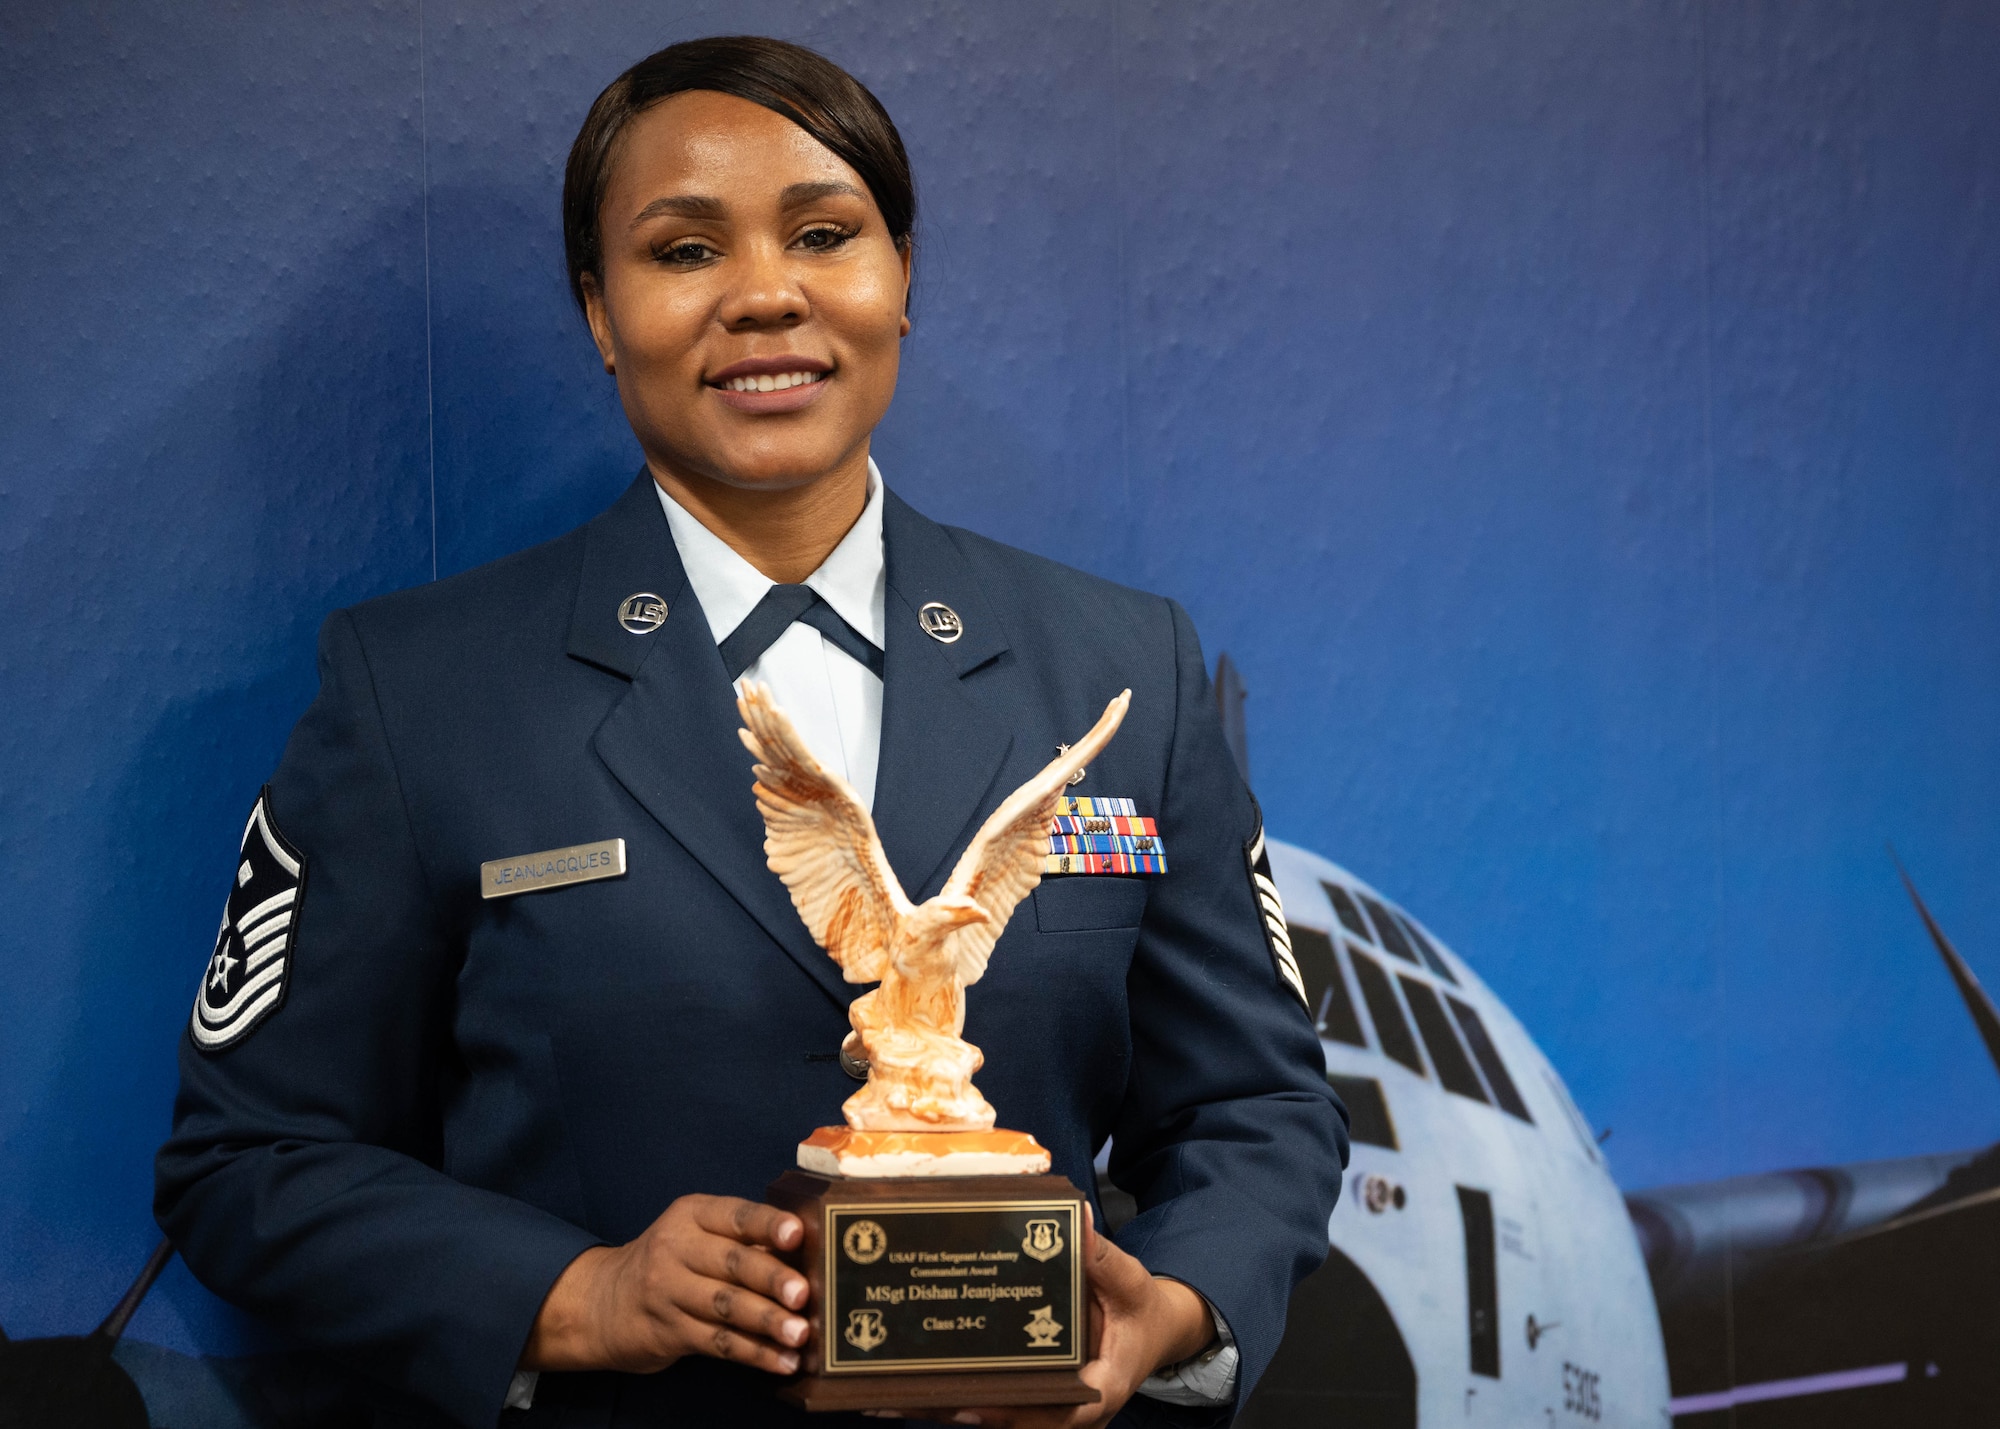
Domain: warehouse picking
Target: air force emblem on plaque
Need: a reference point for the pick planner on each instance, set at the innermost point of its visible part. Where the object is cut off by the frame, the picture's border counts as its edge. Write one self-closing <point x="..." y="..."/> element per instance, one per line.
<point x="246" y="976"/>
<point x="865" y="1330"/>
<point x="1044" y="1240"/>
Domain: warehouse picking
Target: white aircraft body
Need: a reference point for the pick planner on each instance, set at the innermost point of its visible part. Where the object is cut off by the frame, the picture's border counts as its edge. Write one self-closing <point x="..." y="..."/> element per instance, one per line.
<point x="1483" y="1269"/>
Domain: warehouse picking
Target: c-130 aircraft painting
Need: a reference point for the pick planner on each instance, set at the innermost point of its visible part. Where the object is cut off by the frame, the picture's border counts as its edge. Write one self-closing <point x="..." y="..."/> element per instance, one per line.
<point x="1837" y="1296"/>
<point x="1484" y="1269"/>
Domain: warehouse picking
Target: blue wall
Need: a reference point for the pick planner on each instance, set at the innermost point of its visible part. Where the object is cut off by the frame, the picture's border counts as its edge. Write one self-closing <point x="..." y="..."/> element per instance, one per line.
<point x="1577" y="421"/>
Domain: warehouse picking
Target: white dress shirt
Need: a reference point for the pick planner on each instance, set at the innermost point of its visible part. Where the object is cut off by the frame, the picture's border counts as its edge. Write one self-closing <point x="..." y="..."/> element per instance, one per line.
<point x="835" y="702"/>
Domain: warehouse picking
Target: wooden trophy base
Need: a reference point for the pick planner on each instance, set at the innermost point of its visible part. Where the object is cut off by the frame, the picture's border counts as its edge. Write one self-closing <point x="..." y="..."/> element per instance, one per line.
<point x="939" y="1292"/>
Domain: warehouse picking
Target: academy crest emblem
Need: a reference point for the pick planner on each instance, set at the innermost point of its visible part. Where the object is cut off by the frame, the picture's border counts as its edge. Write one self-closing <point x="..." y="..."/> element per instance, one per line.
<point x="247" y="974"/>
<point x="865" y="1330"/>
<point x="1044" y="1329"/>
<point x="1044" y="1240"/>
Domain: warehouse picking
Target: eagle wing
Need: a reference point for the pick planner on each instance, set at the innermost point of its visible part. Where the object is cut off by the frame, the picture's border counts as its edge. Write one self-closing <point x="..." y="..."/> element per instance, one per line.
<point x="1003" y="862"/>
<point x="820" y="840"/>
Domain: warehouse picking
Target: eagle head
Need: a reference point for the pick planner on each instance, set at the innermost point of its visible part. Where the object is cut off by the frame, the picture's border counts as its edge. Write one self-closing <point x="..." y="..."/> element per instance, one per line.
<point x="949" y="912"/>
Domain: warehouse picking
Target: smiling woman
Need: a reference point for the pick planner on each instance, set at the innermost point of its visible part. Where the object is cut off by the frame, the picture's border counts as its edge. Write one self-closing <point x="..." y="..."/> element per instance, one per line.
<point x="498" y="1143"/>
<point x="738" y="219"/>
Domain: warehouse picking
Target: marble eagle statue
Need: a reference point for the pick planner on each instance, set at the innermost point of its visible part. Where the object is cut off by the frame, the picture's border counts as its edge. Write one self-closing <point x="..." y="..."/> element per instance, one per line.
<point x="820" y="840"/>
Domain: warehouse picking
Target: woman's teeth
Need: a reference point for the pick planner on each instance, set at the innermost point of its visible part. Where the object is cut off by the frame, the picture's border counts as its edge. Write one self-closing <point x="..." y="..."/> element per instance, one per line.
<point x="772" y="381"/>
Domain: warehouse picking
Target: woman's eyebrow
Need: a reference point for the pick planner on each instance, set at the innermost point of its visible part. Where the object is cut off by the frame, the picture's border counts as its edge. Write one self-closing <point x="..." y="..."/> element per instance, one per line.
<point x="681" y="206"/>
<point x="799" y="195"/>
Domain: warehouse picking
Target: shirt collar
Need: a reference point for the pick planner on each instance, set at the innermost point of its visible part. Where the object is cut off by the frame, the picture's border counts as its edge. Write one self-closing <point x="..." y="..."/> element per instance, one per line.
<point x="851" y="579"/>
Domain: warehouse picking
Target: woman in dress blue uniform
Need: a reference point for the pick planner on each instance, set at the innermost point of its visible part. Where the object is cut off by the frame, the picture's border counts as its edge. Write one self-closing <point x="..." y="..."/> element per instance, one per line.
<point x="508" y="1024"/>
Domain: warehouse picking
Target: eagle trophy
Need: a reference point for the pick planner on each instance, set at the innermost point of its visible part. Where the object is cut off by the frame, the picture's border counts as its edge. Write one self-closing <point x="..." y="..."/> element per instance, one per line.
<point x="821" y="841"/>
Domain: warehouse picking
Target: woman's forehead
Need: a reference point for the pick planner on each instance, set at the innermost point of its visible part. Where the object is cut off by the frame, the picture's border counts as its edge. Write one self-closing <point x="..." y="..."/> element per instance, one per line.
<point x="717" y="145"/>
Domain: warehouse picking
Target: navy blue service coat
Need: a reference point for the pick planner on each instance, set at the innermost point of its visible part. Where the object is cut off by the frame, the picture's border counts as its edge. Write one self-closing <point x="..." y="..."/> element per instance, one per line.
<point x="456" y="1097"/>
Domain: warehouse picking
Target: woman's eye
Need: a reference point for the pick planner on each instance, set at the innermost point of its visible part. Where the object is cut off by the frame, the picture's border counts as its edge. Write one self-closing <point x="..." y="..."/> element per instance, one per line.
<point x="824" y="240"/>
<point x="684" y="255"/>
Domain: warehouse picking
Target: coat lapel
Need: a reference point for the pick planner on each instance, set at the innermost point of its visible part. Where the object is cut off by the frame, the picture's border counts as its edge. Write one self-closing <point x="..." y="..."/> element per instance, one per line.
<point x="940" y="748"/>
<point x="671" y="741"/>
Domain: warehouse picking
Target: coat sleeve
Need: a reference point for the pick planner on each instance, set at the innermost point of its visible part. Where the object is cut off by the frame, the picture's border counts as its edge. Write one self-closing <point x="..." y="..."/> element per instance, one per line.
<point x="302" y="1179"/>
<point x="1229" y="1138"/>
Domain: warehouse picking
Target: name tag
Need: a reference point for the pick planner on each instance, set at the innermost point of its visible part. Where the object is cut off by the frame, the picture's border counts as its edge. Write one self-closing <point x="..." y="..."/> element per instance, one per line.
<point x="553" y="868"/>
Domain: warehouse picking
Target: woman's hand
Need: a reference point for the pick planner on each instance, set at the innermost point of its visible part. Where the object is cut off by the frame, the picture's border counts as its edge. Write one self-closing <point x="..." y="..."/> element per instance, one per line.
<point x="1144" y="1323"/>
<point x="700" y="1281"/>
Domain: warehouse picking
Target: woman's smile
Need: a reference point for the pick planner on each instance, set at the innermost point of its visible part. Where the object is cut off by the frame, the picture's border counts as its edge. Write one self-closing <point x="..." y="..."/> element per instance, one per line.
<point x="761" y="385"/>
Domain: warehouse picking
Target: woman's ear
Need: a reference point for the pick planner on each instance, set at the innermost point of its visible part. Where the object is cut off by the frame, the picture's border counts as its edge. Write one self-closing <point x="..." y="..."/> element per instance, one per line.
<point x="600" y="321"/>
<point x="909" y="264"/>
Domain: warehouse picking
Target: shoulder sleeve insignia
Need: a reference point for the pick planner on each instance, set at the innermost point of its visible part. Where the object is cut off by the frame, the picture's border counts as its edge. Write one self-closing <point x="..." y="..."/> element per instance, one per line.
<point x="247" y="974"/>
<point x="1271" y="913"/>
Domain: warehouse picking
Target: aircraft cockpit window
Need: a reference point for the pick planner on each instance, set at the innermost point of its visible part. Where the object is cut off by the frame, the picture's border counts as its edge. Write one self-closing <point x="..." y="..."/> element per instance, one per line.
<point x="1482" y="1282"/>
<point x="1488" y="1057"/>
<point x="1326" y="990"/>
<point x="1368" y="1122"/>
<point x="1344" y="909"/>
<point x="1389" y="935"/>
<point x="1390" y="1028"/>
<point x="1454" y="1068"/>
<point x="1431" y="958"/>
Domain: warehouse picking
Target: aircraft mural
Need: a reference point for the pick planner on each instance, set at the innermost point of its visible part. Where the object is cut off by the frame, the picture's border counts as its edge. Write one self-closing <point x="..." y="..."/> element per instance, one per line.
<point x="1481" y="1268"/>
<point x="1485" y="1269"/>
<point x="1836" y="1296"/>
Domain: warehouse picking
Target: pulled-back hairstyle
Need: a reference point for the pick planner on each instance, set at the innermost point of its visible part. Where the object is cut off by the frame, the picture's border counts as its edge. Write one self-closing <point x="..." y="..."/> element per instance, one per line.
<point x="807" y="88"/>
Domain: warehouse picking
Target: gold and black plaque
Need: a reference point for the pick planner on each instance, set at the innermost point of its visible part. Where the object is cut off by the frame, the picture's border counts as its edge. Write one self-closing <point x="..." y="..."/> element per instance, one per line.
<point x="950" y="1291"/>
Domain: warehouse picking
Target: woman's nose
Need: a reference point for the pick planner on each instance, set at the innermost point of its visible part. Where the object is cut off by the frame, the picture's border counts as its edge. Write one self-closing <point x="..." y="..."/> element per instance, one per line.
<point x="764" y="294"/>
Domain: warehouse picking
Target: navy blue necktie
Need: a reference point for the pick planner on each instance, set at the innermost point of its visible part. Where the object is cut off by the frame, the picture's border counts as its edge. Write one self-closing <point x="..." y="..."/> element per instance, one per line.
<point x="781" y="606"/>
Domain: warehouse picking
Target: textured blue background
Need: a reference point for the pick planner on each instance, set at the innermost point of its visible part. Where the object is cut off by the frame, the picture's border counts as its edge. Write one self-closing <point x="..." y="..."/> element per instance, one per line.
<point x="1577" y="420"/>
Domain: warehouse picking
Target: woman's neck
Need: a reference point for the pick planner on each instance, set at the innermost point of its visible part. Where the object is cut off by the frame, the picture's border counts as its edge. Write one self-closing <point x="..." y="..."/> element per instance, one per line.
<point x="786" y="534"/>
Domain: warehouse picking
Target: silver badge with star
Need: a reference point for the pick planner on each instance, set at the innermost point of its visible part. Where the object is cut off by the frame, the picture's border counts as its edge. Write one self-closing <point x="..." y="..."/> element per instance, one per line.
<point x="246" y="975"/>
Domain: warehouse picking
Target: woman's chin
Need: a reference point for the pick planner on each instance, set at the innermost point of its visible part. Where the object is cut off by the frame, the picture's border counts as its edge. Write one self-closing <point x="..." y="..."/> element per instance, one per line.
<point x="763" y="469"/>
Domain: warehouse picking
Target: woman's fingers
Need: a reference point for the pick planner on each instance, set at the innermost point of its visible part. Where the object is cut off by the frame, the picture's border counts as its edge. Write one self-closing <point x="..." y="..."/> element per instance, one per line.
<point x="711" y="1288"/>
<point x="724" y="1302"/>
<point x="1117" y="1280"/>
<point x="732" y="1323"/>
<point x="723" y="1343"/>
<point x="750" y="1222"/>
<point x="749" y="1266"/>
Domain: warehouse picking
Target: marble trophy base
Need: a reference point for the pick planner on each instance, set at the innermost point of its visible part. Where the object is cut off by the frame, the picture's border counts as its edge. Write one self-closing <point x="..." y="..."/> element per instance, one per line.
<point x="843" y="1151"/>
<point x="938" y="1291"/>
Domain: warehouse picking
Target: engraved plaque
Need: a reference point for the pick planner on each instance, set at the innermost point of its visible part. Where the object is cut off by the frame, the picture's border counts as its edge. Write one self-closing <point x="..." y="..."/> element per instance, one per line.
<point x="940" y="1292"/>
<point x="972" y="1284"/>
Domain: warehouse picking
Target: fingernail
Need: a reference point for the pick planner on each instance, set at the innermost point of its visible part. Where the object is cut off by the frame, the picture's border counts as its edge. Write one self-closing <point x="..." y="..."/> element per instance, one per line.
<point x="795" y="1332"/>
<point x="796" y="1290"/>
<point x="789" y="1361"/>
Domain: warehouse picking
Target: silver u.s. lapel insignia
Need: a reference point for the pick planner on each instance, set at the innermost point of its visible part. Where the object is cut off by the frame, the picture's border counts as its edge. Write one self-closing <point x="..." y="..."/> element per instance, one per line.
<point x="940" y="622"/>
<point x="642" y="614"/>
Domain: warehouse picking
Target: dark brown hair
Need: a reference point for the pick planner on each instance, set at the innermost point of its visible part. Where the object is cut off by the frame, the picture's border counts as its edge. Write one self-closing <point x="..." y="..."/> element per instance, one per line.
<point x="807" y="88"/>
